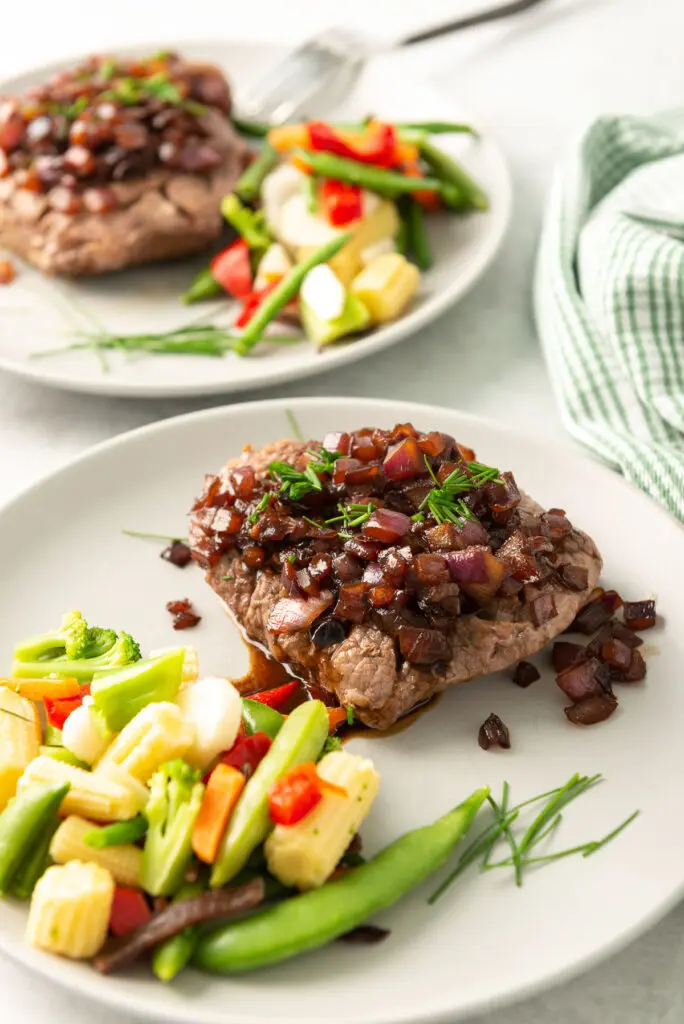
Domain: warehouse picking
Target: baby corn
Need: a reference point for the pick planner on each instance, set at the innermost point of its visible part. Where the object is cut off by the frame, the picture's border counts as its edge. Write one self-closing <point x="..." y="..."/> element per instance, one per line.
<point x="93" y="796"/>
<point x="19" y="740"/>
<point x="70" y="910"/>
<point x="157" y="734"/>
<point x="306" y="854"/>
<point x="122" y="861"/>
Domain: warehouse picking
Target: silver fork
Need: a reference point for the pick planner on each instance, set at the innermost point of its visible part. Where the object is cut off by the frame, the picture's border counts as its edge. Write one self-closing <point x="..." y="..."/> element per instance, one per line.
<point x="334" y="59"/>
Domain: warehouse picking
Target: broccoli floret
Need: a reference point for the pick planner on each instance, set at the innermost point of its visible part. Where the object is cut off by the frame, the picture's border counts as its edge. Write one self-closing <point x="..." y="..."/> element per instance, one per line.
<point x="175" y="800"/>
<point x="99" y="641"/>
<point x="76" y="651"/>
<point x="69" y="640"/>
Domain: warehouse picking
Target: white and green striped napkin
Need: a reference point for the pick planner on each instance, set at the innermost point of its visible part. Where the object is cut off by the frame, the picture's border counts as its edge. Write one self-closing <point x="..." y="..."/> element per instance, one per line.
<point x="609" y="299"/>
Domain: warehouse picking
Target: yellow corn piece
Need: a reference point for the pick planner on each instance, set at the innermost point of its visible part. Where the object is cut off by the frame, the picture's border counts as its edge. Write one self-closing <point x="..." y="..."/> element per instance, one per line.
<point x="386" y="286"/>
<point x="138" y="792"/>
<point x="19" y="741"/>
<point x="306" y="854"/>
<point x="122" y="861"/>
<point x="93" y="796"/>
<point x="70" y="910"/>
<point x="157" y="734"/>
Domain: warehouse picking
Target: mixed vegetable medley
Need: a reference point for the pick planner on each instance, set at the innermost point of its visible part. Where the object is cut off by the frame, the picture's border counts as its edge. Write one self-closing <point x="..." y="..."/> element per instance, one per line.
<point x="140" y="802"/>
<point x="330" y="225"/>
<point x="147" y="811"/>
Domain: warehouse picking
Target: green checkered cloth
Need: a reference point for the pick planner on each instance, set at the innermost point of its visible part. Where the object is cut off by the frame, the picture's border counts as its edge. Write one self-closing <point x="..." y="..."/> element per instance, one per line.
<point x="609" y="299"/>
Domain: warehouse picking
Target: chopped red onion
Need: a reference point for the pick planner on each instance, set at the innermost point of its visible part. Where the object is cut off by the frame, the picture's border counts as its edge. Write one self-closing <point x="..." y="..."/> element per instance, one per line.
<point x="581" y="681"/>
<point x="386" y="525"/>
<point x="291" y="614"/>
<point x="494" y="733"/>
<point x="593" y="710"/>
<point x="423" y="646"/>
<point x="565" y="654"/>
<point x="543" y="609"/>
<point x="525" y="673"/>
<point x="404" y="460"/>
<point x="639" y="614"/>
<point x="467" y="566"/>
<point x="352" y="602"/>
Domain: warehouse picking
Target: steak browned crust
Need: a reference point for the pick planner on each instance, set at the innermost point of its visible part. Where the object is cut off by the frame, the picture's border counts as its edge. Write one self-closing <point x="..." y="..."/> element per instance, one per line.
<point x="363" y="671"/>
<point x="163" y="215"/>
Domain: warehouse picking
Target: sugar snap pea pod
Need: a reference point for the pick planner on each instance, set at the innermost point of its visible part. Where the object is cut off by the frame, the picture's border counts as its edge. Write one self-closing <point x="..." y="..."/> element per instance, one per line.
<point x="259" y="717"/>
<point x="300" y="739"/>
<point x="390" y="183"/>
<point x="285" y="291"/>
<point x="171" y="956"/>
<point x="250" y="181"/>
<point x="35" y="865"/>
<point x="203" y="286"/>
<point x="418" y="244"/>
<point x="22" y="824"/>
<point x="447" y="170"/>
<point x="317" y="917"/>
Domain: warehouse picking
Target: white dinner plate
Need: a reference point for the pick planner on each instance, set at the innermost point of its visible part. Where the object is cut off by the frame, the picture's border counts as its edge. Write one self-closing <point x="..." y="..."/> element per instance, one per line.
<point x="486" y="941"/>
<point x="37" y="313"/>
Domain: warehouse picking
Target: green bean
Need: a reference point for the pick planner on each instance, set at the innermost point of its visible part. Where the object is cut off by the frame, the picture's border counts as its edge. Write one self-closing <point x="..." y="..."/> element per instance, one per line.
<point x="418" y="243"/>
<point x="300" y="739"/>
<point x="315" y="918"/>
<point x="285" y="291"/>
<point x="172" y="955"/>
<point x="389" y="183"/>
<point x="402" y="236"/>
<point x="203" y="286"/>
<point x="447" y="170"/>
<point x="22" y="823"/>
<point x="246" y="222"/>
<point x="259" y="717"/>
<point x="34" y="866"/>
<point x="253" y="129"/>
<point x="436" y="127"/>
<point x="250" y="181"/>
<point x="120" y="833"/>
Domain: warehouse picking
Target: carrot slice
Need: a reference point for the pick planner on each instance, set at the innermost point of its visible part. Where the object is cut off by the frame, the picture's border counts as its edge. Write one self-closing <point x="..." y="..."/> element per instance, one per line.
<point x="220" y="797"/>
<point x="336" y="716"/>
<point x="289" y="136"/>
<point x="42" y="689"/>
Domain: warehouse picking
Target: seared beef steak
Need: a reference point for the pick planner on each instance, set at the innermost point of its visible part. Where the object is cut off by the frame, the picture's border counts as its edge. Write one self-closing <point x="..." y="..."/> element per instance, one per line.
<point x="281" y="568"/>
<point x="116" y="164"/>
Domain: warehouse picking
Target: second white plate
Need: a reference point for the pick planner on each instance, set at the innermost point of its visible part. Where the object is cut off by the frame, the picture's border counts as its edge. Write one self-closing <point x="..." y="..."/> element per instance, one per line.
<point x="37" y="313"/>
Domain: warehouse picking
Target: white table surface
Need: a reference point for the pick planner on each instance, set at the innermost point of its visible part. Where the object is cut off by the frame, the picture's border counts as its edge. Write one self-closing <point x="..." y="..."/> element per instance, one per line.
<point x="533" y="82"/>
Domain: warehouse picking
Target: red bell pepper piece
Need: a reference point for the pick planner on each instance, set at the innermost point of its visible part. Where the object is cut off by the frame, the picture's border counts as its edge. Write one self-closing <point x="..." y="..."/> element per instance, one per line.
<point x="279" y="698"/>
<point x="247" y="752"/>
<point x="129" y="910"/>
<point x="342" y="202"/>
<point x="57" y="711"/>
<point x="252" y="303"/>
<point x="296" y="793"/>
<point x="232" y="269"/>
<point x="376" y="146"/>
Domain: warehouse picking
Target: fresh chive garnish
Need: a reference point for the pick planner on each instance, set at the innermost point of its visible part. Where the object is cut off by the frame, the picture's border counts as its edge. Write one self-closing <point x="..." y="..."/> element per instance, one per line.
<point x="544" y="825"/>
<point x="350" y="715"/>
<point x="155" y="536"/>
<point x="263" y="504"/>
<point x="443" y="501"/>
<point x="295" y="484"/>
<point x="294" y="425"/>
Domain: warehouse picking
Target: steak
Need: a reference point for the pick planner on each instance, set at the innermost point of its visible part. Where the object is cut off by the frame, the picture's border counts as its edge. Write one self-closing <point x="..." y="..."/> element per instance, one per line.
<point x="368" y="670"/>
<point x="150" y="184"/>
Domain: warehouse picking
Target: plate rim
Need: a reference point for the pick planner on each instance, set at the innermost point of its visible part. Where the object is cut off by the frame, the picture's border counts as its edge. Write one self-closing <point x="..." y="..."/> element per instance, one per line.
<point x="48" y="966"/>
<point x="395" y="332"/>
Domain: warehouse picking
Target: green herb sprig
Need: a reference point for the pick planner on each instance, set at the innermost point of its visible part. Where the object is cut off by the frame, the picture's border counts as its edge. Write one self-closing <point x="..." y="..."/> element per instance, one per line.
<point x="295" y="484"/>
<point x="543" y="825"/>
<point x="351" y="516"/>
<point x="443" y="503"/>
<point x="155" y="536"/>
<point x="263" y="504"/>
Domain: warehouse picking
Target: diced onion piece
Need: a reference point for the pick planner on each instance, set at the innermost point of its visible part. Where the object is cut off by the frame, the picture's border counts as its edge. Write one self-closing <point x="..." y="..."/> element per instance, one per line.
<point x="404" y="460"/>
<point x="386" y="525"/>
<point x="291" y="614"/>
